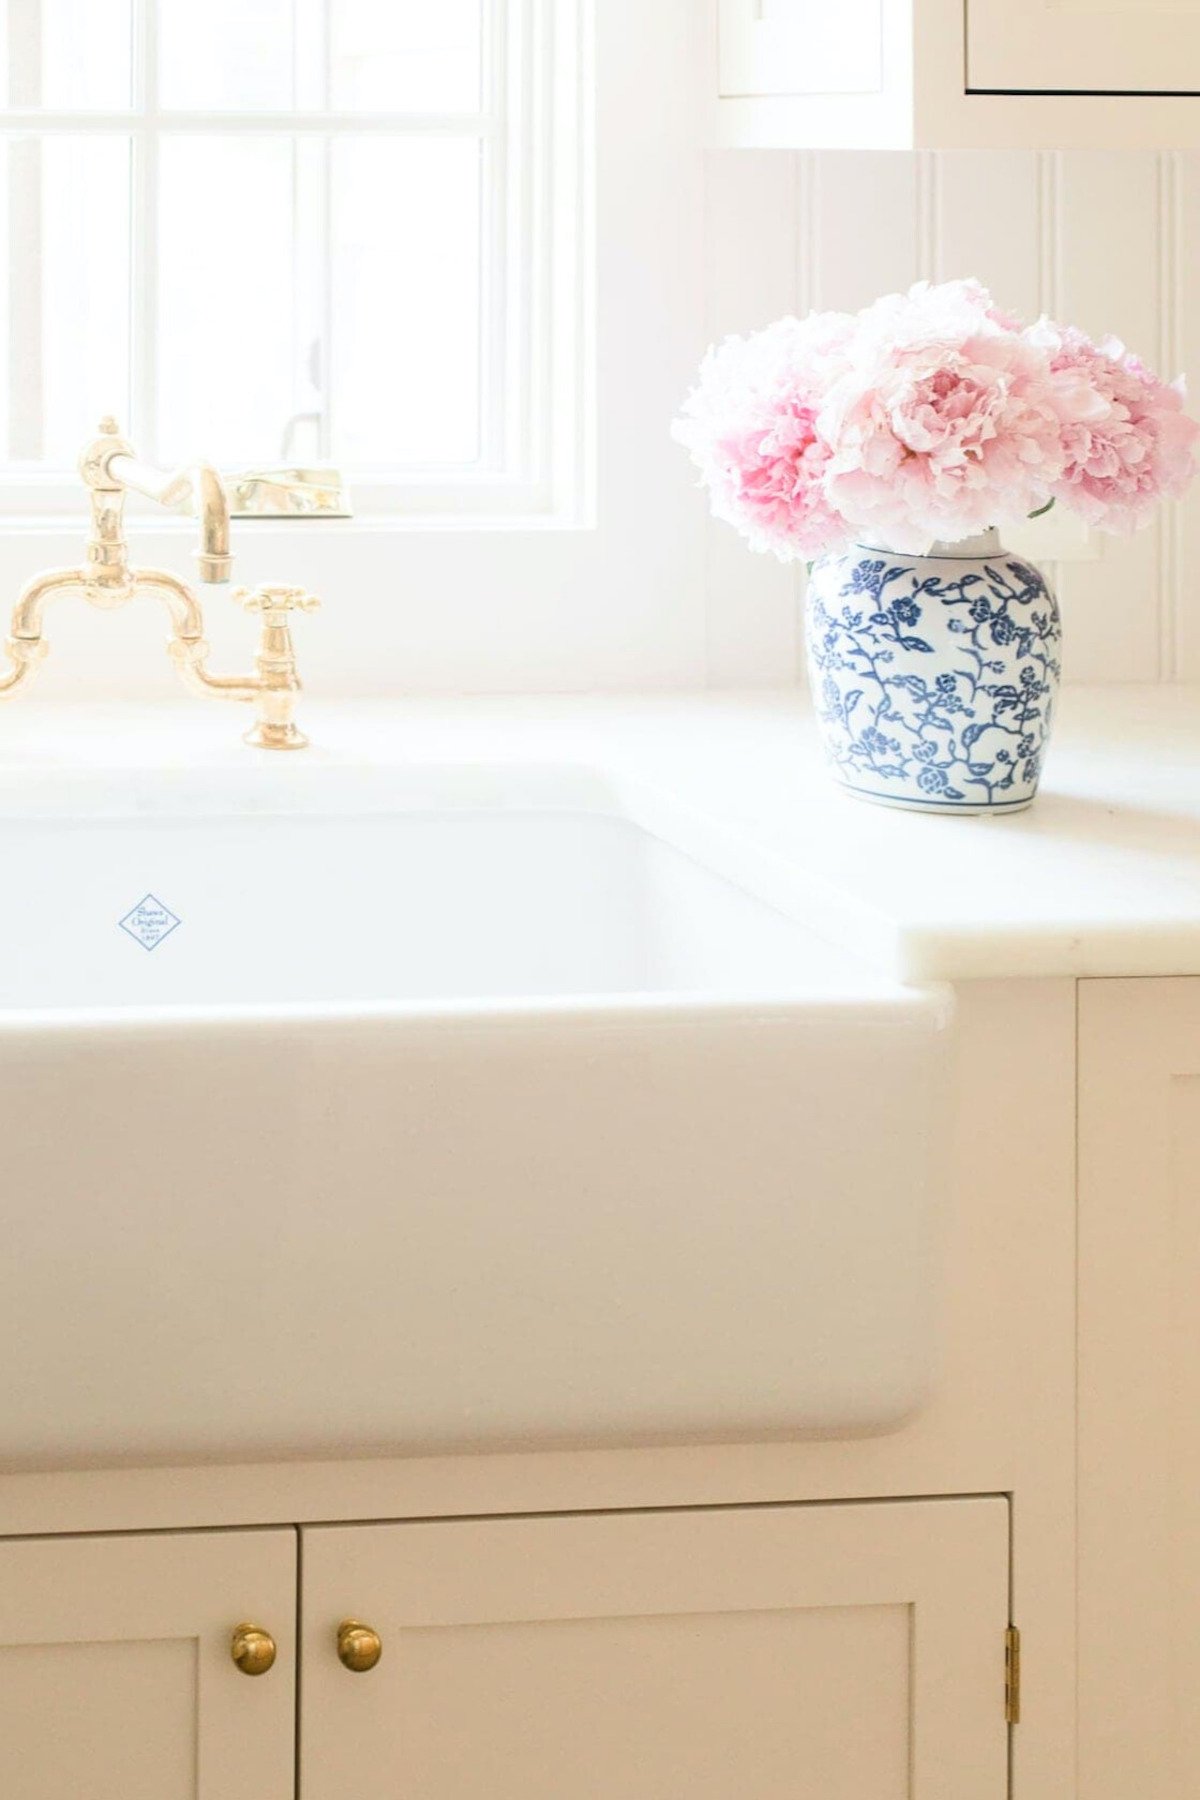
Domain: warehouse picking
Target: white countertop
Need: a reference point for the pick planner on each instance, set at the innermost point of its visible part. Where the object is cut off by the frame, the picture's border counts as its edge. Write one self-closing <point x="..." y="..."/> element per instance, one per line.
<point x="1102" y="877"/>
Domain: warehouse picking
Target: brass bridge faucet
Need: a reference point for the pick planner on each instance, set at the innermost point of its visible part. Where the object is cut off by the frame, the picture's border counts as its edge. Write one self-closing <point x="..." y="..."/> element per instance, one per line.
<point x="110" y="469"/>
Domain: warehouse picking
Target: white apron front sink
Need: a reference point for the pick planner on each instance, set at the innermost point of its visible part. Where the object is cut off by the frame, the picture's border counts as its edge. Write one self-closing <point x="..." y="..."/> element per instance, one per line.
<point x="457" y="1109"/>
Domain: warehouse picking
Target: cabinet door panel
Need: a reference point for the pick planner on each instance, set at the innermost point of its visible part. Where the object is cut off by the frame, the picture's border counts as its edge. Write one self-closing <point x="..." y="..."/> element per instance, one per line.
<point x="1139" y="1389"/>
<point x="1084" y="46"/>
<point x="116" y="1681"/>
<point x="817" y="1653"/>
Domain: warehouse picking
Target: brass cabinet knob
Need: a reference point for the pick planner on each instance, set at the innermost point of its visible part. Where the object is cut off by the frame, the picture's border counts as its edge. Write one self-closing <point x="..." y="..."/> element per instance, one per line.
<point x="252" y="1649"/>
<point x="358" y="1647"/>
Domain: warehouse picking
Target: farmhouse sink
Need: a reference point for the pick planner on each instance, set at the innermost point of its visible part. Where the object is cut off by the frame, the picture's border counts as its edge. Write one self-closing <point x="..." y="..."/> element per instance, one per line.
<point x="444" y="1108"/>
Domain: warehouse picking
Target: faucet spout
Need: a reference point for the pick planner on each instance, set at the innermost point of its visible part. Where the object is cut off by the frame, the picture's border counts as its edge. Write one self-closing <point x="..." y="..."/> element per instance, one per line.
<point x="110" y="466"/>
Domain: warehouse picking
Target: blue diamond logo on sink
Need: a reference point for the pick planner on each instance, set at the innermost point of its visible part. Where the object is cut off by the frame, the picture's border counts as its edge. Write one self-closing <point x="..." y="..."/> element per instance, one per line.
<point x="149" y="922"/>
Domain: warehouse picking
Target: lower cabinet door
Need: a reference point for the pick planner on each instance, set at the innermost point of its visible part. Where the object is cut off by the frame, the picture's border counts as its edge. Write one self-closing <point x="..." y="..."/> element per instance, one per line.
<point x="117" y="1680"/>
<point x="849" y="1652"/>
<point x="1139" y="1389"/>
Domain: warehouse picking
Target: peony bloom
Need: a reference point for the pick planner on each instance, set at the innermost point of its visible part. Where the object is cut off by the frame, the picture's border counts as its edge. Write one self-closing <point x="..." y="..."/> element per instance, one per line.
<point x="1127" y="442"/>
<point x="751" y="426"/>
<point x="930" y="416"/>
<point x="945" y="422"/>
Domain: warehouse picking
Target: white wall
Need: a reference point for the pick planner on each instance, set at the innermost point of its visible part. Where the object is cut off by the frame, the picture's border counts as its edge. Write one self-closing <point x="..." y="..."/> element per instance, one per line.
<point x="692" y="244"/>
<point x="1110" y="241"/>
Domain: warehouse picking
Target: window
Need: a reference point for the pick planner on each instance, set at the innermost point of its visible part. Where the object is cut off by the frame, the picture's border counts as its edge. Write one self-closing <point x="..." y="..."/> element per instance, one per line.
<point x="296" y="231"/>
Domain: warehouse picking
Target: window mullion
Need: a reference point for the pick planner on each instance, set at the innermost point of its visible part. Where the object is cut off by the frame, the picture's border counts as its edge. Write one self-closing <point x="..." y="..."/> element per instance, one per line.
<point x="143" y="312"/>
<point x="495" y="221"/>
<point x="326" y="346"/>
<point x="18" y="121"/>
<point x="26" y="357"/>
<point x="309" y="304"/>
<point x="311" y="30"/>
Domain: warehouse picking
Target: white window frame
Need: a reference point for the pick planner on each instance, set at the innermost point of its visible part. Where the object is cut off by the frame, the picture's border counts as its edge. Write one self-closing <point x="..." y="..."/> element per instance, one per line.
<point x="439" y="606"/>
<point x="536" y="217"/>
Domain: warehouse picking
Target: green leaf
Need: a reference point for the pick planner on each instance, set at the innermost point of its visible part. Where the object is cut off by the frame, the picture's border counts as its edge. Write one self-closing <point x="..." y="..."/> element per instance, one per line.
<point x="1043" y="510"/>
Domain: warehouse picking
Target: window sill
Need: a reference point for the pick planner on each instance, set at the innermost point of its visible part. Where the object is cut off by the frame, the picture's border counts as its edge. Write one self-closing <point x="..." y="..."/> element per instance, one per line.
<point x="141" y="525"/>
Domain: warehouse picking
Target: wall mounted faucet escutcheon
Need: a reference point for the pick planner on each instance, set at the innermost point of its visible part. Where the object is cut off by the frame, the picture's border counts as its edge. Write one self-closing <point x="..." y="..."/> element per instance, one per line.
<point x="110" y="470"/>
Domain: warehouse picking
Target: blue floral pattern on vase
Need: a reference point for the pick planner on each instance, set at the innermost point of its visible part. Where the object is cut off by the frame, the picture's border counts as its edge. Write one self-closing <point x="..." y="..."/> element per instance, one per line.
<point x="935" y="677"/>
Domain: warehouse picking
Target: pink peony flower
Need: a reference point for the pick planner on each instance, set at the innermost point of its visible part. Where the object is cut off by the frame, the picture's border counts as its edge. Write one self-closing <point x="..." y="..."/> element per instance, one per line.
<point x="945" y="422"/>
<point x="1127" y="442"/>
<point x="930" y="416"/>
<point x="751" y="426"/>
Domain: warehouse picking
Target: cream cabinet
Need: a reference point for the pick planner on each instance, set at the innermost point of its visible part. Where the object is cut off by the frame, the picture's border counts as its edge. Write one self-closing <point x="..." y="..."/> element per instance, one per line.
<point x="778" y="1653"/>
<point x="117" y="1680"/>
<point x="1139" y="1389"/>
<point x="1127" y="47"/>
<point x="819" y="1652"/>
<point x="946" y="74"/>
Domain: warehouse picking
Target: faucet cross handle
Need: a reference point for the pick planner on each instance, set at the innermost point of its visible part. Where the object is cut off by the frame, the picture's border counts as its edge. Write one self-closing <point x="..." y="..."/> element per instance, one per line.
<point x="270" y="599"/>
<point x="276" y="682"/>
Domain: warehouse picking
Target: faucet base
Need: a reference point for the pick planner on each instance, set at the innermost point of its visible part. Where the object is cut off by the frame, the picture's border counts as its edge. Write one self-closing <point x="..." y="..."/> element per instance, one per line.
<point x="264" y="736"/>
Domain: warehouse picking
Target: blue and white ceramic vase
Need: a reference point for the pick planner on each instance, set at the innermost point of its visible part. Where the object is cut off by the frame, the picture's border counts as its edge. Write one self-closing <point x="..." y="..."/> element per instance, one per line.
<point x="935" y="678"/>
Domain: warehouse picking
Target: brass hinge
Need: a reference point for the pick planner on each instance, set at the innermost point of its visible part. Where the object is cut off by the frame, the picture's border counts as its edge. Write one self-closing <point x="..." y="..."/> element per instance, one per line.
<point x="1012" y="1675"/>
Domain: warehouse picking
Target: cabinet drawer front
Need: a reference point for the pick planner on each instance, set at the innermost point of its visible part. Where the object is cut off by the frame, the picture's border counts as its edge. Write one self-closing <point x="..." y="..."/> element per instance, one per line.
<point x="116" y="1679"/>
<point x="817" y="1653"/>
<point x="1084" y="46"/>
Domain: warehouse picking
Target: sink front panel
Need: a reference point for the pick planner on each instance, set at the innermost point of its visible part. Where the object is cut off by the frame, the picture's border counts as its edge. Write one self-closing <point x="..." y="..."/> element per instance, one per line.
<point x="330" y="1236"/>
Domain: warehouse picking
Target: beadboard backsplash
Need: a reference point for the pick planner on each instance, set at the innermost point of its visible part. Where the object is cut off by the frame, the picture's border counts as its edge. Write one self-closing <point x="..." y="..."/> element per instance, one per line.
<point x="1108" y="240"/>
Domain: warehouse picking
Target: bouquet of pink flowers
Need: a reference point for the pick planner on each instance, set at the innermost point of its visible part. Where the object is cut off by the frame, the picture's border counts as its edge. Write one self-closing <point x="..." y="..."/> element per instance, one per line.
<point x="929" y="417"/>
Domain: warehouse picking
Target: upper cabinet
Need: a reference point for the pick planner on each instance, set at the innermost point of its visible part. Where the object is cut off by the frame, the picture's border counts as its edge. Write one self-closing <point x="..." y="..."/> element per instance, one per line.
<point x="946" y="74"/>
<point x="1134" y="48"/>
